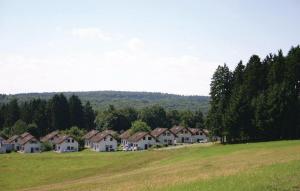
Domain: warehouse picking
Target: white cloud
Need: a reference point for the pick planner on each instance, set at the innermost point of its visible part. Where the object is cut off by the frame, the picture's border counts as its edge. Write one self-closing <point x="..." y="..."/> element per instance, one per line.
<point x="91" y="33"/>
<point x="131" y="68"/>
<point x="136" y="44"/>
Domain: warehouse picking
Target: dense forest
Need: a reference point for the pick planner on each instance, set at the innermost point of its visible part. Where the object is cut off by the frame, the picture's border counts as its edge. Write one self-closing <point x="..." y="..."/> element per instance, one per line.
<point x="100" y="100"/>
<point x="39" y="117"/>
<point x="257" y="101"/>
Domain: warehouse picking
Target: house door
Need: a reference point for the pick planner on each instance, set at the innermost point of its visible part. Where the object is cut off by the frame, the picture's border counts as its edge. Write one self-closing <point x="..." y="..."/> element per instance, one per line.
<point x="146" y="146"/>
<point x="31" y="150"/>
<point x="106" y="148"/>
<point x="182" y="139"/>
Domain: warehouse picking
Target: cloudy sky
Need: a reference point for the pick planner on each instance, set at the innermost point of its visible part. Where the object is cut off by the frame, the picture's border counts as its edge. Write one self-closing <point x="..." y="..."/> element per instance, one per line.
<point x="137" y="45"/>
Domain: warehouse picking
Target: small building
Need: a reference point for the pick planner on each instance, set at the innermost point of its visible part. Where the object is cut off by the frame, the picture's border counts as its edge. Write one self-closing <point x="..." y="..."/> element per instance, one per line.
<point x="163" y="136"/>
<point x="29" y="144"/>
<point x="198" y="135"/>
<point x="183" y="134"/>
<point x="4" y="146"/>
<point x="87" y="138"/>
<point x="65" y="143"/>
<point x="104" y="142"/>
<point x="124" y="138"/>
<point x="14" y="141"/>
<point x="49" y="138"/>
<point x="141" y="141"/>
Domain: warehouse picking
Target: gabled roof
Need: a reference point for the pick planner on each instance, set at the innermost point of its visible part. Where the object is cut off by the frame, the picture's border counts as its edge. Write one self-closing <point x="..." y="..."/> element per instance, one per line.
<point x="126" y="134"/>
<point x="195" y="130"/>
<point x="158" y="131"/>
<point x="12" y="139"/>
<point x="24" y="135"/>
<point x="27" y="138"/>
<point x="108" y="131"/>
<point x="49" y="136"/>
<point x="138" y="136"/>
<point x="177" y="129"/>
<point x="61" y="138"/>
<point x="90" y="134"/>
<point x="206" y="132"/>
<point x="100" y="136"/>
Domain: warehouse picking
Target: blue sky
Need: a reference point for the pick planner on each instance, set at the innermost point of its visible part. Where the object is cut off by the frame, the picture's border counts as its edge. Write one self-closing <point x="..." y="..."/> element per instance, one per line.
<point x="160" y="45"/>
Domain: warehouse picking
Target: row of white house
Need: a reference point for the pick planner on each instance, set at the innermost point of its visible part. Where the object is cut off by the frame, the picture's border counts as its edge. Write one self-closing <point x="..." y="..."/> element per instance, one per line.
<point x="26" y="143"/>
<point x="105" y="140"/>
<point x="162" y="136"/>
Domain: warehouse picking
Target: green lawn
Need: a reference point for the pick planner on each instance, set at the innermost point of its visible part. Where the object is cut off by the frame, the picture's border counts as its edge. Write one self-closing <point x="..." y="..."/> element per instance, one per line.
<point x="256" y="166"/>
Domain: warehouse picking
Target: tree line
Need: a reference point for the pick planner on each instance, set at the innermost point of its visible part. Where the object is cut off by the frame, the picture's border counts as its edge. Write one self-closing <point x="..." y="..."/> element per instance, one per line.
<point x="40" y="117"/>
<point x="257" y="101"/>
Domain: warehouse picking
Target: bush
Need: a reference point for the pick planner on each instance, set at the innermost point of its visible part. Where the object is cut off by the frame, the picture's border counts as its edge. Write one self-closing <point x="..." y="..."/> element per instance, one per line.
<point x="46" y="146"/>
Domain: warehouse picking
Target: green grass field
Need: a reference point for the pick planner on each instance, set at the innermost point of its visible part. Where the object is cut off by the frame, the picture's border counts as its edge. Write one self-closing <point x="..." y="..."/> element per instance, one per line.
<point x="256" y="166"/>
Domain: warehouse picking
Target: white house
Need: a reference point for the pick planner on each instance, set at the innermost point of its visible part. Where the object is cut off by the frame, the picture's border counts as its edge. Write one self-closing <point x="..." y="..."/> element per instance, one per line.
<point x="3" y="145"/>
<point x="104" y="142"/>
<point x="50" y="138"/>
<point x="183" y="134"/>
<point x="87" y="138"/>
<point x="141" y="141"/>
<point x="65" y="143"/>
<point x="29" y="144"/>
<point x="14" y="141"/>
<point x="198" y="135"/>
<point x="164" y="136"/>
<point x="124" y="138"/>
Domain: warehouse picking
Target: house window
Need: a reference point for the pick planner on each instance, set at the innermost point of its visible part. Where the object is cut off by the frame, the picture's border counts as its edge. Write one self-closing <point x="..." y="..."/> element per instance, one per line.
<point x="164" y="134"/>
<point x="197" y="133"/>
<point x="165" y="140"/>
<point x="72" y="140"/>
<point x="104" y="139"/>
<point x="168" y="134"/>
<point x="111" y="139"/>
<point x="149" y="138"/>
<point x="144" y="138"/>
<point x="68" y="148"/>
<point x="201" y="133"/>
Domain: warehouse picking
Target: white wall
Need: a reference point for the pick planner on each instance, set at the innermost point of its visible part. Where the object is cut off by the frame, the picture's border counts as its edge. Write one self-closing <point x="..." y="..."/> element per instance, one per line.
<point x="107" y="143"/>
<point x="186" y="135"/>
<point x="166" y="138"/>
<point x="36" y="146"/>
<point x="69" y="145"/>
<point x="143" y="142"/>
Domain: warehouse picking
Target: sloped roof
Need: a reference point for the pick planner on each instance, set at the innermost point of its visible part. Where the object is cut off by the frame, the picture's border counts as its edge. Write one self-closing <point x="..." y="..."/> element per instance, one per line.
<point x="90" y="134"/>
<point x="138" y="136"/>
<point x="13" y="138"/>
<point x="110" y="132"/>
<point x="49" y="136"/>
<point x="177" y="129"/>
<point x="125" y="134"/>
<point x="24" y="135"/>
<point x="158" y="131"/>
<point x="27" y="138"/>
<point x="195" y="130"/>
<point x="97" y="138"/>
<point x="61" y="138"/>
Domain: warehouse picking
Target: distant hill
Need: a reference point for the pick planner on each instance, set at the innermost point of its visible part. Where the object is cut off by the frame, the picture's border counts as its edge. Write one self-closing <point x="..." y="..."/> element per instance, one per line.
<point x="120" y="99"/>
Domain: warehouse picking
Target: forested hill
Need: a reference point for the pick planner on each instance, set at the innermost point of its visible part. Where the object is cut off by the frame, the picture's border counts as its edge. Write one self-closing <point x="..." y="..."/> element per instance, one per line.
<point x="121" y="99"/>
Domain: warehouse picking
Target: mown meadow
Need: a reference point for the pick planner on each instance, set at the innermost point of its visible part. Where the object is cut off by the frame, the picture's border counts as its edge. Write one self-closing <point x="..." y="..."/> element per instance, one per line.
<point x="254" y="166"/>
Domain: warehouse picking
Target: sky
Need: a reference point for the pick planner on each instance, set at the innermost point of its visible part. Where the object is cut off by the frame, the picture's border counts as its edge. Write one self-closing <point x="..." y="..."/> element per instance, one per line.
<point x="167" y="46"/>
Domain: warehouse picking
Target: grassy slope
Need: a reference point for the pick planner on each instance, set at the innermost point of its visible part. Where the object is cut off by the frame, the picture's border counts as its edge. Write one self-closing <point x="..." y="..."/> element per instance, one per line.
<point x="257" y="166"/>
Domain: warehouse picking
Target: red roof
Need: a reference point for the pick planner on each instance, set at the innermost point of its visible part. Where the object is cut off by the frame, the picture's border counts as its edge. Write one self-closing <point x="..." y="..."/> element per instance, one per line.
<point x="90" y="134"/>
<point x="61" y="139"/>
<point x="126" y="134"/>
<point x="99" y="137"/>
<point x="138" y="136"/>
<point x="158" y="131"/>
<point x="177" y="129"/>
<point x="49" y="136"/>
<point x="27" y="138"/>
